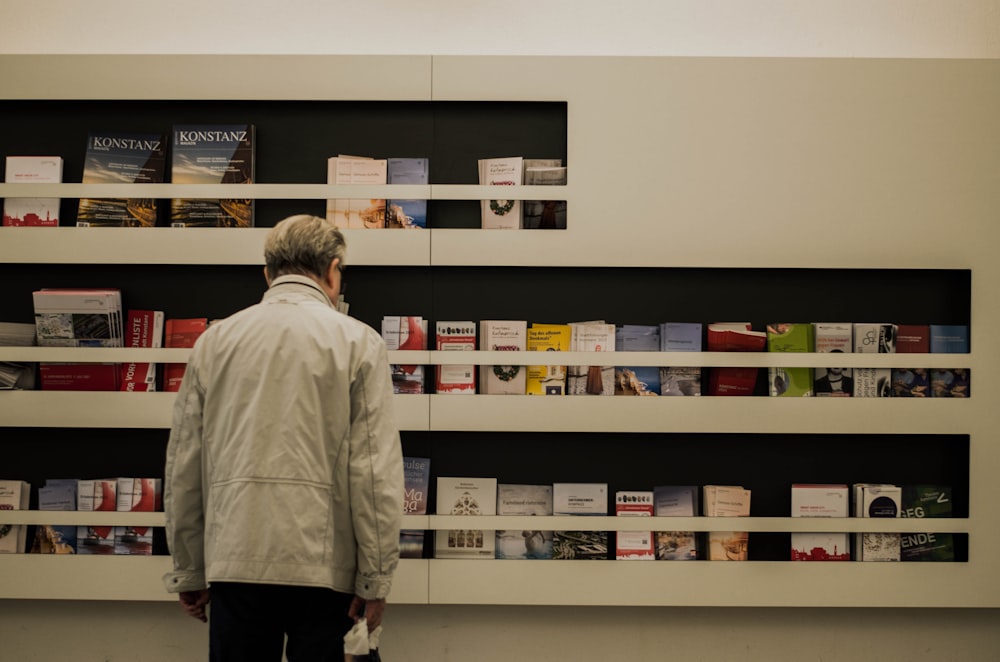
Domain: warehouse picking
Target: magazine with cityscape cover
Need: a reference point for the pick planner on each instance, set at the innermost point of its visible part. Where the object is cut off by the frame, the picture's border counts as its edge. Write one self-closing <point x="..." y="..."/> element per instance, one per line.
<point x="593" y="336"/>
<point x="356" y="213"/>
<point x="416" y="483"/>
<point x="637" y="380"/>
<point x="876" y="500"/>
<point x="213" y="154"/>
<point x="56" y="494"/>
<point x="122" y="158"/>
<point x="455" y="336"/>
<point x="143" y="328"/>
<point x="407" y="214"/>
<point x="634" y="545"/>
<point x="547" y="379"/>
<point x="680" y="337"/>
<point x="837" y="338"/>
<point x="99" y="495"/>
<point x="790" y="337"/>
<point x="727" y="501"/>
<point x="931" y="501"/>
<point x="544" y="214"/>
<point x="818" y="500"/>
<point x="137" y="495"/>
<point x="78" y="317"/>
<point x="950" y="382"/>
<point x="32" y="212"/>
<point x="873" y="338"/>
<point x="180" y="333"/>
<point x="676" y="501"/>
<point x="503" y="336"/>
<point x="584" y="499"/>
<point x="405" y="333"/>
<point x="465" y="496"/>
<point x="504" y="171"/>
<point x="517" y="499"/>
<point x="14" y="495"/>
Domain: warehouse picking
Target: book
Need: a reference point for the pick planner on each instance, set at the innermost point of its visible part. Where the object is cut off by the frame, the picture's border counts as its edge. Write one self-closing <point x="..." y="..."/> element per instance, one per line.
<point x="455" y="336"/>
<point x="595" y="336"/>
<point x="876" y="500"/>
<point x="407" y="214"/>
<point x="547" y="379"/>
<point x="820" y="500"/>
<point x="356" y="213"/>
<point x="416" y="483"/>
<point x="143" y="328"/>
<point x="949" y="339"/>
<point x="680" y="337"/>
<point x="544" y="214"/>
<point x="873" y="338"/>
<point x="465" y="496"/>
<point x="405" y="333"/>
<point x="504" y="171"/>
<point x="180" y="332"/>
<point x="637" y="380"/>
<point x="96" y="495"/>
<point x="950" y="382"/>
<point x="634" y="545"/>
<point x="926" y="501"/>
<point x="503" y="336"/>
<point x="913" y="338"/>
<point x="733" y="337"/>
<point x="78" y="317"/>
<point x="56" y="494"/>
<point x="32" y="212"/>
<point x="213" y="154"/>
<point x="676" y="501"/>
<point x="137" y="495"/>
<point x="515" y="499"/>
<point x="14" y="495"/>
<point x="833" y="337"/>
<point x="17" y="374"/>
<point x="116" y="157"/>
<point x="727" y="501"/>
<point x="585" y="499"/>
<point x="790" y="337"/>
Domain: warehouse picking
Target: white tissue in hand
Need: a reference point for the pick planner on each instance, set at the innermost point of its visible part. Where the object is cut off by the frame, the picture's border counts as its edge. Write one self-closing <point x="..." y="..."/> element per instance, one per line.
<point x="356" y="640"/>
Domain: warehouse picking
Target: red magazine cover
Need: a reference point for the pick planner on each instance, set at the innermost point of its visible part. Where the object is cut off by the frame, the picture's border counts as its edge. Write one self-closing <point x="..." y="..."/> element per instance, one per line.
<point x="143" y="328"/>
<point x="180" y="333"/>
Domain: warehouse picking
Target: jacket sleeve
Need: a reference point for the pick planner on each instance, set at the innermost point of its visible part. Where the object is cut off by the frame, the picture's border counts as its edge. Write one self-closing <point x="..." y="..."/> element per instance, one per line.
<point x="182" y="488"/>
<point x="376" y="473"/>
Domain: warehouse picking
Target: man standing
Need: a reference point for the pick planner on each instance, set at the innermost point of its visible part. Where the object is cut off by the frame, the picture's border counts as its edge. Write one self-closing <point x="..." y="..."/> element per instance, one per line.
<point x="284" y="474"/>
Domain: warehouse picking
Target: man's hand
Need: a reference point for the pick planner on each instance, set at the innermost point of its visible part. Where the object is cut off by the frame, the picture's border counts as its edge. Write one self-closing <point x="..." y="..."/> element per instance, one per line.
<point x="194" y="603"/>
<point x="372" y="610"/>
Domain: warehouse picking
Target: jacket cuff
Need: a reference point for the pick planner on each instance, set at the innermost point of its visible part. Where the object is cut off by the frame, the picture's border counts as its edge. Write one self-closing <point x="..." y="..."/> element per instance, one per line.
<point x="372" y="588"/>
<point x="184" y="580"/>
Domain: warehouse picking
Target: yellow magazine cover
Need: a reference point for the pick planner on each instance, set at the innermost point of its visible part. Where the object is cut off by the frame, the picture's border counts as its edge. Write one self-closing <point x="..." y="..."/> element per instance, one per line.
<point x="547" y="379"/>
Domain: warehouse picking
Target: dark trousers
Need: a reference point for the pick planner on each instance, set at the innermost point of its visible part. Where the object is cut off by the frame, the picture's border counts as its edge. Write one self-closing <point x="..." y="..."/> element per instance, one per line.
<point x="249" y="622"/>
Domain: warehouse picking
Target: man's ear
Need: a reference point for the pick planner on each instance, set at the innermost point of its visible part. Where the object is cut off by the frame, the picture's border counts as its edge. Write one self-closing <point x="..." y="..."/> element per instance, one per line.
<point x="331" y="273"/>
<point x="267" y="278"/>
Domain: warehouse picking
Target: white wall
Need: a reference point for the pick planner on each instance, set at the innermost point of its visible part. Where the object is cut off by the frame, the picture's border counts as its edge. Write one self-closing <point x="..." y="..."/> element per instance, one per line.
<point x="794" y="28"/>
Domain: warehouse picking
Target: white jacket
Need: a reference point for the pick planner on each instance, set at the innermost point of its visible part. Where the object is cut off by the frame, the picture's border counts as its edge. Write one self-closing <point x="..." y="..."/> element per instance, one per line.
<point x="284" y="463"/>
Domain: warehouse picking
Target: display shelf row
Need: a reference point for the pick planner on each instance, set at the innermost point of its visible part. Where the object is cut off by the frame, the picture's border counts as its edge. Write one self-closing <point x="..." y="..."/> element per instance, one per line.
<point x="286" y="191"/>
<point x="517" y="413"/>
<point x="556" y="522"/>
<point x="615" y="583"/>
<point x="435" y="357"/>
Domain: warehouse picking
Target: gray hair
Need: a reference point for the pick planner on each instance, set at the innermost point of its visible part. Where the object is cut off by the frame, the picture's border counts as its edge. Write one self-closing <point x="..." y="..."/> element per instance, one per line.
<point x="303" y="244"/>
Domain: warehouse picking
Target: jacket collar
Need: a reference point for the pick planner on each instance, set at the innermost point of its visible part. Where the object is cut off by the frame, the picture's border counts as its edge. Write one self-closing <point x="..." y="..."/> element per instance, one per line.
<point x="294" y="283"/>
